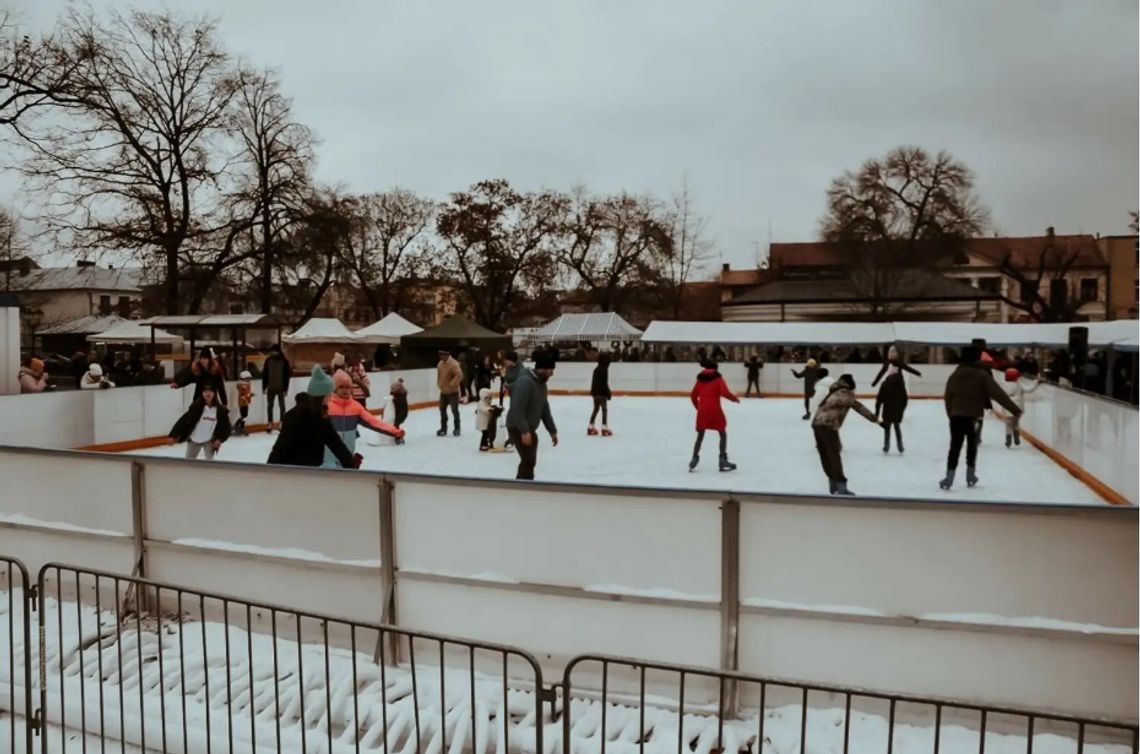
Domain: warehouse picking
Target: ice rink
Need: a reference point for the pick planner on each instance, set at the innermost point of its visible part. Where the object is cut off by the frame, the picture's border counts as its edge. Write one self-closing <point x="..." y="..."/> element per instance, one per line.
<point x="773" y="447"/>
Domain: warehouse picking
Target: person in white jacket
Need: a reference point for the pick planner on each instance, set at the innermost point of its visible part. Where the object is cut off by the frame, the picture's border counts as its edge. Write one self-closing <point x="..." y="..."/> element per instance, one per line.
<point x="1017" y="392"/>
<point x="94" y="379"/>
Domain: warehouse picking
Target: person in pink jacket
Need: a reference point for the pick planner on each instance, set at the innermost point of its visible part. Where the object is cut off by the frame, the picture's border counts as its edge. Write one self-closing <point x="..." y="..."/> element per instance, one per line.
<point x="347" y="416"/>
<point x="32" y="377"/>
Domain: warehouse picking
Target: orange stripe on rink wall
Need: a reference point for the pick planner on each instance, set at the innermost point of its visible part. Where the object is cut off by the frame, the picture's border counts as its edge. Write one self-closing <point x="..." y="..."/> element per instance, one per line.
<point x="1110" y="495"/>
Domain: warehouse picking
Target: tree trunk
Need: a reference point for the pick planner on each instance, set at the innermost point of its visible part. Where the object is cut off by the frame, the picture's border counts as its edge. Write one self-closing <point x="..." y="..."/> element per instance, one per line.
<point x="171" y="280"/>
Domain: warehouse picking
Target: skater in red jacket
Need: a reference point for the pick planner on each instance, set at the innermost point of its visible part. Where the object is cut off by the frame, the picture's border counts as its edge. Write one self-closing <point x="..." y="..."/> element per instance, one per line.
<point x="706" y="396"/>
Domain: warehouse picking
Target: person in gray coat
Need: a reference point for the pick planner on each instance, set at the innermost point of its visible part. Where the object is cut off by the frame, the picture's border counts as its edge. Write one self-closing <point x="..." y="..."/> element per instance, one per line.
<point x="529" y="408"/>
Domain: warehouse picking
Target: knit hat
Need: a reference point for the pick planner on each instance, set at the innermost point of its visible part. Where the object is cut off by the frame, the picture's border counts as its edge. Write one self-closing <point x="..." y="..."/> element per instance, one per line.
<point x="245" y="375"/>
<point x="37" y="365"/>
<point x="847" y="380"/>
<point x="484" y="394"/>
<point x="95" y="371"/>
<point x="544" y="361"/>
<point x="206" y="353"/>
<point x="319" y="383"/>
<point x="341" y="379"/>
<point x="969" y="355"/>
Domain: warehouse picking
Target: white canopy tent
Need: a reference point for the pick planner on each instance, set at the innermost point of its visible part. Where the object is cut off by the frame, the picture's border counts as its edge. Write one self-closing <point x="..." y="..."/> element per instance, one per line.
<point x="133" y="332"/>
<point x="321" y="330"/>
<point x="388" y="330"/>
<point x="603" y="326"/>
<point x="1119" y="334"/>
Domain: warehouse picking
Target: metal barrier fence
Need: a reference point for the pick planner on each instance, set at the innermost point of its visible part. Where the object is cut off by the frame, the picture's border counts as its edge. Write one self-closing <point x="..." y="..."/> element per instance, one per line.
<point x="164" y="668"/>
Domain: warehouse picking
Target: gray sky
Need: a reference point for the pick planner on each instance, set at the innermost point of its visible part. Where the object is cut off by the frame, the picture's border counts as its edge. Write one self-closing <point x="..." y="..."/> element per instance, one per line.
<point x="761" y="103"/>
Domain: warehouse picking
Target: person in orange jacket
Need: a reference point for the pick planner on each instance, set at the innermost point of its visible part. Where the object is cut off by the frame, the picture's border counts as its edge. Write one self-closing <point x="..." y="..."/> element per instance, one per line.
<point x="347" y="415"/>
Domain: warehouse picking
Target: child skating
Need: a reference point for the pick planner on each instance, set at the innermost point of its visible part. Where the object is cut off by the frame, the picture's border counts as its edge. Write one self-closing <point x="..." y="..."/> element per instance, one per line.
<point x="826" y="424"/>
<point x="399" y="395"/>
<point x="1017" y="394"/>
<point x="706" y="395"/>
<point x="600" y="392"/>
<point x="347" y="416"/>
<point x="810" y="374"/>
<point x="892" y="398"/>
<point x="486" y="420"/>
<point x="204" y="426"/>
<point x="244" y="398"/>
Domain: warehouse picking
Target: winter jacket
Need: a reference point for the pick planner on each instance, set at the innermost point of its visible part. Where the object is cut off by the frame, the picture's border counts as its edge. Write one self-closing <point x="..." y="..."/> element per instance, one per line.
<point x="970" y="388"/>
<point x="600" y="382"/>
<point x="88" y="382"/>
<point x="810" y="376"/>
<point x="361" y="385"/>
<point x="753" y="368"/>
<point x="275" y="374"/>
<point x="892" y="368"/>
<point x="891" y="401"/>
<point x="198" y="377"/>
<point x="347" y="416"/>
<point x="833" y="408"/>
<point x="399" y="395"/>
<point x="529" y="404"/>
<point x="449" y="376"/>
<point x="185" y="425"/>
<point x="707" y="392"/>
<point x="30" y="383"/>
<point x="305" y="433"/>
<point x="1017" y="392"/>
<point x="244" y="394"/>
<point x="483" y="415"/>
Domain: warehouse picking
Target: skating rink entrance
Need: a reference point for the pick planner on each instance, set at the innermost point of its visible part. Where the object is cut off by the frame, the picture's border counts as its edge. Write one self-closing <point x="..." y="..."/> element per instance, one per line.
<point x="772" y="445"/>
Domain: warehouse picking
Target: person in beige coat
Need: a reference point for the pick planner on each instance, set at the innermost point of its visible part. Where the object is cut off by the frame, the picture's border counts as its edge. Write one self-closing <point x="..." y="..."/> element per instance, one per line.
<point x="448" y="377"/>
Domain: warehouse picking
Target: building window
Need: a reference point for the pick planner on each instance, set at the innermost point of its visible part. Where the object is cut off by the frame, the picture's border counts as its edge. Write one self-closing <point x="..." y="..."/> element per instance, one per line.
<point x="1089" y="289"/>
<point x="1028" y="291"/>
<point x="124" y="308"/>
<point x="960" y="259"/>
<point x="990" y="285"/>
<point x="104" y="306"/>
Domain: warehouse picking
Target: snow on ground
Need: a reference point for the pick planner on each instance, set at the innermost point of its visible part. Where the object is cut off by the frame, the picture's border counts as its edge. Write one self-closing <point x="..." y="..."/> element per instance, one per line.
<point x="772" y="445"/>
<point x="188" y="686"/>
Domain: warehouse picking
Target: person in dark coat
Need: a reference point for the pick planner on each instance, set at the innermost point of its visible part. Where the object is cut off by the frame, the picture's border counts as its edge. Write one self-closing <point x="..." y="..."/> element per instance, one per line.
<point x="206" y="370"/>
<point x="890" y="403"/>
<point x="753" y="367"/>
<point x="706" y="395"/>
<point x="204" y="426"/>
<point x="275" y="375"/>
<point x="600" y="392"/>
<point x="810" y="375"/>
<point x="399" y="395"/>
<point x="969" y="390"/>
<point x="530" y="407"/>
<point x="306" y="430"/>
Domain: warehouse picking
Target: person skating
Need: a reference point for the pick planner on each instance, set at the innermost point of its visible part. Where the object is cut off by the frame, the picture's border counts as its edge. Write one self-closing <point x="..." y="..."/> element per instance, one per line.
<point x="449" y="380"/>
<point x="706" y="396"/>
<point x="810" y="375"/>
<point x="94" y="379"/>
<point x="348" y="416"/>
<point x="306" y="430"/>
<point x="486" y="419"/>
<point x="892" y="398"/>
<point x="600" y="392"/>
<point x="244" y="398"/>
<point x="204" y="371"/>
<point x="275" y="375"/>
<point x="530" y="407"/>
<point x="825" y="425"/>
<point x="204" y="426"/>
<point x="399" y="395"/>
<point x="753" y="367"/>
<point x="1017" y="393"/>
<point x="968" y="390"/>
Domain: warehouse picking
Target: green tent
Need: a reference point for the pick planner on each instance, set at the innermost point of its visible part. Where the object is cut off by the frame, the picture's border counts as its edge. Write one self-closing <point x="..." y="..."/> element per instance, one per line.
<point x="455" y="334"/>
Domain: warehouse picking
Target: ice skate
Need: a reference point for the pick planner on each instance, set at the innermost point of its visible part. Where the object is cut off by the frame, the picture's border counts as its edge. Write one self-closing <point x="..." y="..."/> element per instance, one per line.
<point x="456" y="432"/>
<point x="971" y="477"/>
<point x="725" y="464"/>
<point x="1009" y="441"/>
<point x="1017" y="437"/>
<point x="948" y="482"/>
<point x="442" y="433"/>
<point x="591" y="431"/>
<point x="830" y="487"/>
<point x="606" y="432"/>
<point x="841" y="489"/>
<point x="806" y="416"/>
<point x="693" y="463"/>
<point x="399" y="441"/>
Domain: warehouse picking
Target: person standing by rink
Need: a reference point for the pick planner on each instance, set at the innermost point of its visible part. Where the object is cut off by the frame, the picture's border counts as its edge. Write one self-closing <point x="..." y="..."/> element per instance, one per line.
<point x="275" y="375"/>
<point x="969" y="389"/>
<point x="529" y="408"/>
<point x="449" y="380"/>
<point x="891" y="401"/>
<point x="204" y="426"/>
<point x="827" y="422"/>
<point x="752" y="368"/>
<point x="706" y="395"/>
<point x="810" y="375"/>
<point x="600" y="392"/>
<point x="306" y="430"/>
<point x="94" y="379"/>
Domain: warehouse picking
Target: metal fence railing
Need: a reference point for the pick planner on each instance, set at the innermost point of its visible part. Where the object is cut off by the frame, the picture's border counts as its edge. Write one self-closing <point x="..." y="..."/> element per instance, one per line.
<point x="132" y="662"/>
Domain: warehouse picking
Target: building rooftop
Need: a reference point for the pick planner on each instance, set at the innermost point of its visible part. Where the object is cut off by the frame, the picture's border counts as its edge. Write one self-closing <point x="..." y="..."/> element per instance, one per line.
<point x="915" y="285"/>
<point x="85" y="278"/>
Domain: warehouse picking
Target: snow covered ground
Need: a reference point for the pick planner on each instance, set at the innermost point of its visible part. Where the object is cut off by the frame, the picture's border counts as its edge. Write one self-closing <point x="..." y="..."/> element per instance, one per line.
<point x="192" y="687"/>
<point x="772" y="445"/>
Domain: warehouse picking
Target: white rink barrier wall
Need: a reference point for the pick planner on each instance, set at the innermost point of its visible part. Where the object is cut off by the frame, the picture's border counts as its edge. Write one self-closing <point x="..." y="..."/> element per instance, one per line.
<point x="1023" y="606"/>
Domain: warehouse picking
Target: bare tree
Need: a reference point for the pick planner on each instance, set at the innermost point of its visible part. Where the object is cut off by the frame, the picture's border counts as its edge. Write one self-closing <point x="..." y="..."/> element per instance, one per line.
<point x="277" y="158"/>
<point x="34" y="72"/>
<point x="690" y="247"/>
<point x="311" y="254"/>
<point x="500" y="245"/>
<point x="1043" y="288"/>
<point x="12" y="246"/>
<point x="387" y="253"/>
<point x="136" y="164"/>
<point x="896" y="220"/>
<point x="614" y="246"/>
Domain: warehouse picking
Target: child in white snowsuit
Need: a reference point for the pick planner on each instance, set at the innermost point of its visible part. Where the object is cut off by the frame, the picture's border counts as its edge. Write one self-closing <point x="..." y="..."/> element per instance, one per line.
<point x="1017" y="393"/>
<point x="486" y="417"/>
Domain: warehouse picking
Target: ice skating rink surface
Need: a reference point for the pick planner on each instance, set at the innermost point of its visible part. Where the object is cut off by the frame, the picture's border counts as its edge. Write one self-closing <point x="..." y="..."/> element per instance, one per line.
<point x="769" y="441"/>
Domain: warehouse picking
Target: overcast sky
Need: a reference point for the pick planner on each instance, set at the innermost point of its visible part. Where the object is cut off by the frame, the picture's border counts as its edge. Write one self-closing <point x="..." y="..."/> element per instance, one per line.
<point x="760" y="102"/>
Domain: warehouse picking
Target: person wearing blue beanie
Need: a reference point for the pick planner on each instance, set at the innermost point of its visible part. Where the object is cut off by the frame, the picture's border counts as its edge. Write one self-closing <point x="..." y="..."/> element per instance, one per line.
<point x="306" y="430"/>
<point x="320" y="384"/>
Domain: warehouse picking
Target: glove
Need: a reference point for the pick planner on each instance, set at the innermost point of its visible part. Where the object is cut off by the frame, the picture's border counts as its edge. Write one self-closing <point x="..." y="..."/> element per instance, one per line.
<point x="357" y="460"/>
